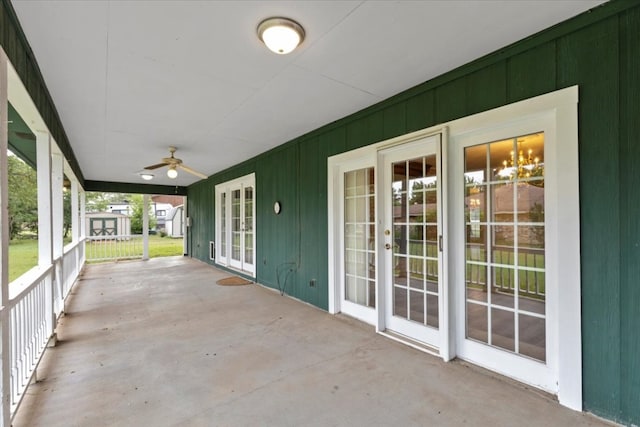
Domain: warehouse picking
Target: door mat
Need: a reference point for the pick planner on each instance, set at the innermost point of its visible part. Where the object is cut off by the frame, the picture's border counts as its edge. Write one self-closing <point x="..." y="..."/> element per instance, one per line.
<point x="233" y="281"/>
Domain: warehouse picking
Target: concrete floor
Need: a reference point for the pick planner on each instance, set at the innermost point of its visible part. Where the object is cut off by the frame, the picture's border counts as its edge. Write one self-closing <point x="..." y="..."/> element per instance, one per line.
<point x="158" y="343"/>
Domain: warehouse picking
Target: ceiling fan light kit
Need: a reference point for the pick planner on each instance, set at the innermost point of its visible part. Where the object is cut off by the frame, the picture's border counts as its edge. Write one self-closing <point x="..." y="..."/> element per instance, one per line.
<point x="174" y="164"/>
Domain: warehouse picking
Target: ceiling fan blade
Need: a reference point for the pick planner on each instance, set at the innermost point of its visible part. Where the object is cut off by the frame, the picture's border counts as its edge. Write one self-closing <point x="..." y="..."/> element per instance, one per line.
<point x="192" y="172"/>
<point x="156" y="166"/>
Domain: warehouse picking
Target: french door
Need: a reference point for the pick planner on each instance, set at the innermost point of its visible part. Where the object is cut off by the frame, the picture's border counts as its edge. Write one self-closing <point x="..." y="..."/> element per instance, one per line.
<point x="484" y="266"/>
<point x="235" y="225"/>
<point x="356" y="226"/>
<point x="508" y="295"/>
<point x="412" y="239"/>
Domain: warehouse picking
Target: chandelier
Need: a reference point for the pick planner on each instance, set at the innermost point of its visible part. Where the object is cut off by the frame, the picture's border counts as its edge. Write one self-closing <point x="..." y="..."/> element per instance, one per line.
<point x="522" y="166"/>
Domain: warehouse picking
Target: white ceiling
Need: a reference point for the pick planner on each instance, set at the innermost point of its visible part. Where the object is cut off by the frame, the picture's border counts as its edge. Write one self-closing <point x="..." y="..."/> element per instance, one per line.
<point x="131" y="78"/>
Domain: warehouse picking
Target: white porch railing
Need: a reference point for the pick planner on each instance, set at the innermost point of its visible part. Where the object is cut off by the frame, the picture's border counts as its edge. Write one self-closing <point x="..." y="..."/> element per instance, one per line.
<point x="113" y="248"/>
<point x="36" y="300"/>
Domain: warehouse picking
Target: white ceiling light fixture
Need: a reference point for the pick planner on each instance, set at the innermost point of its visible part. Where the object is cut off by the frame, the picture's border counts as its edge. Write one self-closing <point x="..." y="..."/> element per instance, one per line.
<point x="280" y="35"/>
<point x="146" y="176"/>
<point x="172" y="172"/>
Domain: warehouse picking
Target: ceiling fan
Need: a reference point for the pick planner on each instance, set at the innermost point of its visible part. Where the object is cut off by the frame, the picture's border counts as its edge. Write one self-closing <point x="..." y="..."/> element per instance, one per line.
<point x="174" y="164"/>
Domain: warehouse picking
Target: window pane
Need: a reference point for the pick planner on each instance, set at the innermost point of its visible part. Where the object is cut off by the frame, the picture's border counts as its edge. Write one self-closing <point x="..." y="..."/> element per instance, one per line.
<point x="515" y="234"/>
<point x="531" y="201"/>
<point x="503" y="329"/>
<point x="532" y="337"/>
<point x="502" y="202"/>
<point x="477" y="322"/>
<point x="432" y="311"/>
<point x="416" y="305"/>
<point x="400" y="302"/>
<point x="359" y="236"/>
<point x="475" y="164"/>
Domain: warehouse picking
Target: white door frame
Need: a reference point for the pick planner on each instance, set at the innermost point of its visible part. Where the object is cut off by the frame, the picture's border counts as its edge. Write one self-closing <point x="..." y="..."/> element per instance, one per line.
<point x="556" y="115"/>
<point x="338" y="166"/>
<point x="561" y="108"/>
<point x="226" y="188"/>
<point x="368" y="157"/>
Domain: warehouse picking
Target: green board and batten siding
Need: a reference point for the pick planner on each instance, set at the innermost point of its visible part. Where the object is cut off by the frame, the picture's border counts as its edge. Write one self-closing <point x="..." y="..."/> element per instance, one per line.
<point x="600" y="52"/>
<point x="629" y="185"/>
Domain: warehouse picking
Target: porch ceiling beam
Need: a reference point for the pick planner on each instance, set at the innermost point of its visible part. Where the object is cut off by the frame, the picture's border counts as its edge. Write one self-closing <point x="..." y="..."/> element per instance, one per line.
<point x="125" y="187"/>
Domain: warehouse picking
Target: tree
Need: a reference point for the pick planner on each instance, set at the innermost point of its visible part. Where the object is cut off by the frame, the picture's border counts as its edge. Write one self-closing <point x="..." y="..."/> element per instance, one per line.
<point x="23" y="196"/>
<point x="99" y="202"/>
<point x="137" y="208"/>
<point x="66" y="210"/>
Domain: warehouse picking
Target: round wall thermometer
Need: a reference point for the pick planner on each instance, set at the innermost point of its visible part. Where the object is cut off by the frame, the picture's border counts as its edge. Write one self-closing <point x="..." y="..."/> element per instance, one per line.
<point x="277" y="208"/>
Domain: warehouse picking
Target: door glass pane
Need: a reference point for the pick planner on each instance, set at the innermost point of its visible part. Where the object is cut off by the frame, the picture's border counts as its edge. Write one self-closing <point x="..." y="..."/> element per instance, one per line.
<point x="236" y="230"/>
<point x="359" y="237"/>
<point x="504" y="241"/>
<point x="248" y="225"/>
<point x="223" y="224"/>
<point x="532" y="336"/>
<point x="415" y="239"/>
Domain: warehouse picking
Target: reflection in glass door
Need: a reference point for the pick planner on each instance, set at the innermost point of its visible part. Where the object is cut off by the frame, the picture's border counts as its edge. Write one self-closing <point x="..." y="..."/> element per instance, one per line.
<point x="415" y="240"/>
<point x="413" y="256"/>
<point x="505" y="245"/>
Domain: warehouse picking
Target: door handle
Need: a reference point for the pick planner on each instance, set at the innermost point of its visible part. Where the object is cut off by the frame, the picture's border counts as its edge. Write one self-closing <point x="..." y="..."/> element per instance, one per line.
<point x="387" y="246"/>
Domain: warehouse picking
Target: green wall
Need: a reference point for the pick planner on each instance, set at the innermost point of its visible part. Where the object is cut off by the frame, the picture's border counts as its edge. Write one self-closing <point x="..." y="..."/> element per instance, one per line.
<point x="600" y="52"/>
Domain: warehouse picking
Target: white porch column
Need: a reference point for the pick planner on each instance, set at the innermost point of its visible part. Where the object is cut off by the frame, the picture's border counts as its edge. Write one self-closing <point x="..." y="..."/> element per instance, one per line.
<point x="57" y="178"/>
<point x="43" y="159"/>
<point x="184" y="225"/>
<point x="83" y="214"/>
<point x="75" y="211"/>
<point x="57" y="224"/>
<point x="145" y="227"/>
<point x="45" y="225"/>
<point x="5" y="415"/>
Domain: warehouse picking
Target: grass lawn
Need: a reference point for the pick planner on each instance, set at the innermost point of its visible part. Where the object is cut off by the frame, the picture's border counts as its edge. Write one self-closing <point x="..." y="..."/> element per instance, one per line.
<point x="23" y="253"/>
<point x="164" y="246"/>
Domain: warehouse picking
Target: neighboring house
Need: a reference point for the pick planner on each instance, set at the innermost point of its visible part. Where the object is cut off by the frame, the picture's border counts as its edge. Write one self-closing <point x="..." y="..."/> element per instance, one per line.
<point x="159" y="209"/>
<point x="174" y="222"/>
<point x="120" y="208"/>
<point x="162" y="205"/>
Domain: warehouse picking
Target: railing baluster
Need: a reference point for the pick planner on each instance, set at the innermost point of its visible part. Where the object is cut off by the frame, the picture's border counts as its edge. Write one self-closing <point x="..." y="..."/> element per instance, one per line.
<point x="28" y="317"/>
<point x="114" y="248"/>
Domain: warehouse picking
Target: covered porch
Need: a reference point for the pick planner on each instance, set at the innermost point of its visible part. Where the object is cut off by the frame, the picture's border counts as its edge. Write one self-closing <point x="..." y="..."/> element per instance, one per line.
<point x="158" y="342"/>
